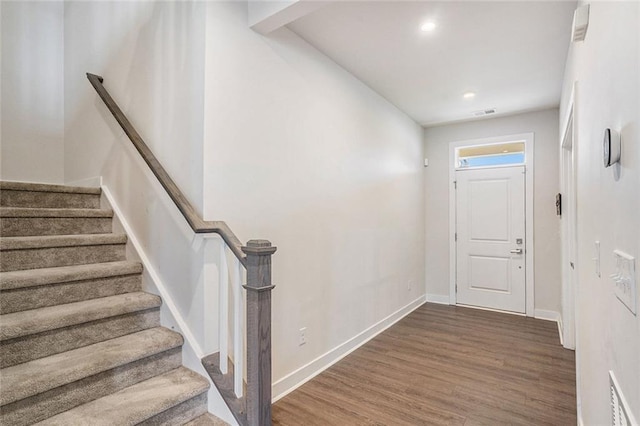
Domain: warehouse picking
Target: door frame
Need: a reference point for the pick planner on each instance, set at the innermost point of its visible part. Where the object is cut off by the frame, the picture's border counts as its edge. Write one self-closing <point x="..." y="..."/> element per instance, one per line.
<point x="569" y="223"/>
<point x="529" y="141"/>
<point x="569" y="319"/>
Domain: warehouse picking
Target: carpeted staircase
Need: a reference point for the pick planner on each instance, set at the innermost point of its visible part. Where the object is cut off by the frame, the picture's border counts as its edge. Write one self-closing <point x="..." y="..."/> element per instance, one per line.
<point x="80" y="342"/>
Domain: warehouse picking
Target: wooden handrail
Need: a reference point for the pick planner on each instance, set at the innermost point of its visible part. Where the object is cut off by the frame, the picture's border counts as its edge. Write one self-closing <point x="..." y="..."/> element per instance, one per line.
<point x="196" y="223"/>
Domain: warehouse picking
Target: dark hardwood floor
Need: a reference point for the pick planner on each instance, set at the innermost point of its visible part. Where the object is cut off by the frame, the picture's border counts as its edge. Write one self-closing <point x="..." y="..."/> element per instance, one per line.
<point x="445" y="365"/>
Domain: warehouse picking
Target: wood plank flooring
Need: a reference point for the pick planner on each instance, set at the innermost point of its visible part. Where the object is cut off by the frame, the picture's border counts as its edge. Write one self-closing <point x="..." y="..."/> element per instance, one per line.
<point x="445" y="365"/>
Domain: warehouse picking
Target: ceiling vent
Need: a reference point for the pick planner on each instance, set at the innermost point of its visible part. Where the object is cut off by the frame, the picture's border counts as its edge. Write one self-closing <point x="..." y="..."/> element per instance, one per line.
<point x="580" y="23"/>
<point x="484" y="112"/>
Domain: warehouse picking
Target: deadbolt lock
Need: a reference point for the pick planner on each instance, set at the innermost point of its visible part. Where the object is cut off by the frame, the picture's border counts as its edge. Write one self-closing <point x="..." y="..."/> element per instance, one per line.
<point x="518" y="240"/>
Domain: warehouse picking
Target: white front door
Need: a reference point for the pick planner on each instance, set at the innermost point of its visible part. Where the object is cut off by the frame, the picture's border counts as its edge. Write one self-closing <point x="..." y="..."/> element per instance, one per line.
<point x="490" y="246"/>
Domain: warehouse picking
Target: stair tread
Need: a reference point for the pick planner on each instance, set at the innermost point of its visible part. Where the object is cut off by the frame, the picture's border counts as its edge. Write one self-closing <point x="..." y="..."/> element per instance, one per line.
<point x="53" y="213"/>
<point x="40" y="375"/>
<point x="62" y="274"/>
<point x="49" y="241"/>
<point x="136" y="403"/>
<point x="206" y="419"/>
<point x="34" y="321"/>
<point x="45" y="187"/>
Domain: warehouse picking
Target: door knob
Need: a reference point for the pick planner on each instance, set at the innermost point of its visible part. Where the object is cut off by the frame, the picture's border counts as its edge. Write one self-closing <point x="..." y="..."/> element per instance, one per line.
<point x="516" y="251"/>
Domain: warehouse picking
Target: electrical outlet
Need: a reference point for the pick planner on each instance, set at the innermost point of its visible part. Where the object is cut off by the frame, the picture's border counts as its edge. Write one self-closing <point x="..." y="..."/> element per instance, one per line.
<point x="302" y="337"/>
<point x="625" y="279"/>
<point x="409" y="285"/>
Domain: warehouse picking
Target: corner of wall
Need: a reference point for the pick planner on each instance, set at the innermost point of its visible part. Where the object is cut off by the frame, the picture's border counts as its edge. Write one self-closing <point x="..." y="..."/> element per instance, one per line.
<point x="438" y="298"/>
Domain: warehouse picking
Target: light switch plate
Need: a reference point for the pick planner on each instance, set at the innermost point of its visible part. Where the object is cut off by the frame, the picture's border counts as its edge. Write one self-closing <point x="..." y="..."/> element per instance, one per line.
<point x="625" y="279"/>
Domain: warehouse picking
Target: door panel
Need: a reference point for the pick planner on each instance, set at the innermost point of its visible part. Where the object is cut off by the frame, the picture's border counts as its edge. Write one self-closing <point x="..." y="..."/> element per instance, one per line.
<point x="489" y="210"/>
<point x="490" y="226"/>
<point x="489" y="273"/>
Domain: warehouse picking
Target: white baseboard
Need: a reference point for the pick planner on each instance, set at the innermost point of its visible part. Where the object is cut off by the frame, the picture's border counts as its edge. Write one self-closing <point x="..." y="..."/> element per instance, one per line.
<point x="561" y="329"/>
<point x="92" y="182"/>
<point x="31" y="181"/>
<point x="438" y="298"/>
<point x="546" y="315"/>
<point x="550" y="316"/>
<point x="154" y="277"/>
<point x="192" y="352"/>
<point x="297" y="378"/>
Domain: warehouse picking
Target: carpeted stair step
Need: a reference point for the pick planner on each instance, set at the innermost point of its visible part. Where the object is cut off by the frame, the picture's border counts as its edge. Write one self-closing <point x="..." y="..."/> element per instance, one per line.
<point x="21" y="221"/>
<point x="80" y="343"/>
<point x="37" y="288"/>
<point x="19" y="253"/>
<point x="38" y="195"/>
<point x="207" y="419"/>
<point x="39" y="389"/>
<point x="37" y="333"/>
<point x="173" y="398"/>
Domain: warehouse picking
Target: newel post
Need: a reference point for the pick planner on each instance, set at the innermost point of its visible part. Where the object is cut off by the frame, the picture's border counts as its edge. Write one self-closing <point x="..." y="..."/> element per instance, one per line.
<point x="258" y="331"/>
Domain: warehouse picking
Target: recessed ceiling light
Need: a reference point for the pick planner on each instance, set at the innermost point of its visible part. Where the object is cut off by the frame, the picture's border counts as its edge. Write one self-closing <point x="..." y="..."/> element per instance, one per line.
<point x="428" y="26"/>
<point x="469" y="95"/>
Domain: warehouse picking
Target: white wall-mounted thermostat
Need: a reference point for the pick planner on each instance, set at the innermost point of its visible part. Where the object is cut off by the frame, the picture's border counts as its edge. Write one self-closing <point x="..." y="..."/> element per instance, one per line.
<point x="610" y="147"/>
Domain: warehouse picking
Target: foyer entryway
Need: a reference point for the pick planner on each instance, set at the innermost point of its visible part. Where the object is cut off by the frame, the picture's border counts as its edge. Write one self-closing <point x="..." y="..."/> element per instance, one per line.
<point x="445" y="365"/>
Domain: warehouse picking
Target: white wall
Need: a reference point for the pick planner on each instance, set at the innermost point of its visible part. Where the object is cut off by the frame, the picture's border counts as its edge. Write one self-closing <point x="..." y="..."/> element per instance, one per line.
<point x="606" y="66"/>
<point x="151" y="56"/>
<point x="32" y="131"/>
<point x="544" y="125"/>
<point x="300" y="152"/>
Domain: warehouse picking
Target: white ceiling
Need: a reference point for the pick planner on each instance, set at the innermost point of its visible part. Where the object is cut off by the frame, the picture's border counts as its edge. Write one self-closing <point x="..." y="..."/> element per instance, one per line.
<point x="511" y="54"/>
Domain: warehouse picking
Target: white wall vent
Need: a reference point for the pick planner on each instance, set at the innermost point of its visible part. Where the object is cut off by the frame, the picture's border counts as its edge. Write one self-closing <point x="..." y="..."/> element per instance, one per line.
<point x="580" y="23"/>
<point x="484" y="112"/>
<point x="620" y="414"/>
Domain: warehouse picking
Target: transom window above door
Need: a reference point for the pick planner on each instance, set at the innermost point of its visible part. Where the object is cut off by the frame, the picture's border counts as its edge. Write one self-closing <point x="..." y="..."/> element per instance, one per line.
<point x="492" y="155"/>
